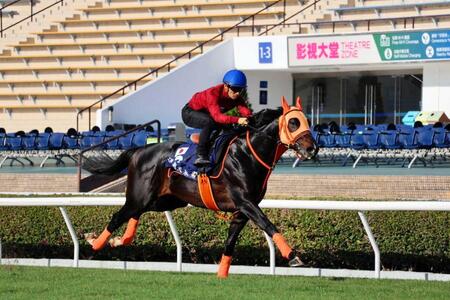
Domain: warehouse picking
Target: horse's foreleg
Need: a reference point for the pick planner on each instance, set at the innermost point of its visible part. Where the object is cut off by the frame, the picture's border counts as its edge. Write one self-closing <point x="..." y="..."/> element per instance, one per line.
<point x="254" y="213"/>
<point x="235" y="229"/>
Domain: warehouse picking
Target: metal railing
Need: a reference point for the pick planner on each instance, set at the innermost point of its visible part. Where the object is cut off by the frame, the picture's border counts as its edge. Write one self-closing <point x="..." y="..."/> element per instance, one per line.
<point x="359" y="206"/>
<point x="32" y="13"/>
<point x="189" y="54"/>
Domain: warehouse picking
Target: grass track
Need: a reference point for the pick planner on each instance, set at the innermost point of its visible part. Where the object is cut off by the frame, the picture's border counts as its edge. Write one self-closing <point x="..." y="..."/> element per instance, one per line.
<point x="67" y="283"/>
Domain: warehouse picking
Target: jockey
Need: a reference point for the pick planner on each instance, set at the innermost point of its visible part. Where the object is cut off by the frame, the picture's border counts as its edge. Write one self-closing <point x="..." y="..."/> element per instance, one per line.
<point x="206" y="110"/>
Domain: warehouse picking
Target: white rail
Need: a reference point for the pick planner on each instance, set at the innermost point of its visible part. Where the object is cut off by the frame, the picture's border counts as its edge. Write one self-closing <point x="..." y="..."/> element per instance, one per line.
<point x="359" y="206"/>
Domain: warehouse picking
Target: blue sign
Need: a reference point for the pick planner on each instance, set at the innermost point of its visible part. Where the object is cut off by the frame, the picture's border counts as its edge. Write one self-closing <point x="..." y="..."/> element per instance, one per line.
<point x="415" y="45"/>
<point x="265" y="53"/>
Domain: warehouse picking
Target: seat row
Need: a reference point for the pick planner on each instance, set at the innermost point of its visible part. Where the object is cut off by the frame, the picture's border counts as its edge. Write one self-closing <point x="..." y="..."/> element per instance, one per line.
<point x="374" y="138"/>
<point x="382" y="144"/>
<point x="59" y="141"/>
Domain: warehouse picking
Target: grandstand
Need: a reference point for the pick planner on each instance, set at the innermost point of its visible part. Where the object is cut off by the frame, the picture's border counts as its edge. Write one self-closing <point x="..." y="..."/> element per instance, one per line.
<point x="52" y="73"/>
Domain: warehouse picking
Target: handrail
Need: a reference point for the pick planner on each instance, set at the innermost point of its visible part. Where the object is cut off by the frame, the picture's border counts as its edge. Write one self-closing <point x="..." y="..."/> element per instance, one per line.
<point x="359" y="206"/>
<point x="188" y="53"/>
<point x="80" y="159"/>
<point x="32" y="14"/>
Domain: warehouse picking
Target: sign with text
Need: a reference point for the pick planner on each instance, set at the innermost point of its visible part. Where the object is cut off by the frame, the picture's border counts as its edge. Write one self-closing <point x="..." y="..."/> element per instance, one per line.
<point x="265" y="53"/>
<point x="369" y="48"/>
<point x="419" y="45"/>
<point x="333" y="50"/>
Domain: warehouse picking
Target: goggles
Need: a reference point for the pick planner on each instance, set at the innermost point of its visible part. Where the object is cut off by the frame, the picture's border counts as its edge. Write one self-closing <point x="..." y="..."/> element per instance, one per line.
<point x="236" y="89"/>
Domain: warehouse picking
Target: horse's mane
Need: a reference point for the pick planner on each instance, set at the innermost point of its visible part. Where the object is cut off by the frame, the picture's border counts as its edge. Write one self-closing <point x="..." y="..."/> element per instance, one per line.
<point x="264" y="117"/>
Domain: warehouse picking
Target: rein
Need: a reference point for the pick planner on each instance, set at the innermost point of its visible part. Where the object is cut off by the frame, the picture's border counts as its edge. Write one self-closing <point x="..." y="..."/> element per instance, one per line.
<point x="278" y="152"/>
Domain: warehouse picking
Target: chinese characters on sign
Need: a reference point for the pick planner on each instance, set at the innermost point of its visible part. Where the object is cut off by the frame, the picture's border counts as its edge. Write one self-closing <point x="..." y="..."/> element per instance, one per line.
<point x="332" y="50"/>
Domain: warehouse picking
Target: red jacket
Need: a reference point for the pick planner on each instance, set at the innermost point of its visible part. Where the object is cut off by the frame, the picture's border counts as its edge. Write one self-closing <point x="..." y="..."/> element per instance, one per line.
<point x="216" y="102"/>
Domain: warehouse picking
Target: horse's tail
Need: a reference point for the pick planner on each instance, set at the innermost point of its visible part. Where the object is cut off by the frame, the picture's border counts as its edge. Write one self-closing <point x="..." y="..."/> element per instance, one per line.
<point x="105" y="165"/>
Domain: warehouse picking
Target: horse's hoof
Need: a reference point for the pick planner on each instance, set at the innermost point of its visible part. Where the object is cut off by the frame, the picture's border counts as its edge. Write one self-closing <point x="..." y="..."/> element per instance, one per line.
<point x="115" y="242"/>
<point x="90" y="237"/>
<point x="296" y="262"/>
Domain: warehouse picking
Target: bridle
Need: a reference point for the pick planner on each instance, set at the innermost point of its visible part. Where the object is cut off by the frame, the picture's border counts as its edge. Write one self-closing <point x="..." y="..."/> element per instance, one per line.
<point x="287" y="139"/>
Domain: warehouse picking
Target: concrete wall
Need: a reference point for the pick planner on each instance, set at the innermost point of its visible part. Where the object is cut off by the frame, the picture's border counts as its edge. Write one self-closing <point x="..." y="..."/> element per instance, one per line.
<point x="436" y="87"/>
<point x="57" y="183"/>
<point x="164" y="98"/>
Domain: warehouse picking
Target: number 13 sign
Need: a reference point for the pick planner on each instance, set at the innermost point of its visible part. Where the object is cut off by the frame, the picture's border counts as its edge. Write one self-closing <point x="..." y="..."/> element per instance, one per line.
<point x="265" y="53"/>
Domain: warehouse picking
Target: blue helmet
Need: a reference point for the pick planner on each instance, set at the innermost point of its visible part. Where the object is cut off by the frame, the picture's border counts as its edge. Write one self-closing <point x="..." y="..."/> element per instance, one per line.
<point x="235" y="78"/>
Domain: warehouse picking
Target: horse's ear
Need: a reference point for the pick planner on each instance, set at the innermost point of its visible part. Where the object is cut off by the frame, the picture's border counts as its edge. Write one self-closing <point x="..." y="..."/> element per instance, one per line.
<point x="285" y="105"/>
<point x="298" y="103"/>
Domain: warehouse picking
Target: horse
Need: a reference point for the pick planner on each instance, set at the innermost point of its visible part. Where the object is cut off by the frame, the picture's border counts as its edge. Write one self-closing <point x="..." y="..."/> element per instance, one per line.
<point x="238" y="189"/>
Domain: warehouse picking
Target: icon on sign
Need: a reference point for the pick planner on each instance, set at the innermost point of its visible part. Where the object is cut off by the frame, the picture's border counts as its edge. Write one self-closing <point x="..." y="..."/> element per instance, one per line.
<point x="385" y="41"/>
<point x="388" y="53"/>
<point x="429" y="52"/>
<point x="426" y="38"/>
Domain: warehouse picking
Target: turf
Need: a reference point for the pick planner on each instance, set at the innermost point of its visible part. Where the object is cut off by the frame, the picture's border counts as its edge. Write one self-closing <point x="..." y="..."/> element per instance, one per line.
<point x="67" y="283"/>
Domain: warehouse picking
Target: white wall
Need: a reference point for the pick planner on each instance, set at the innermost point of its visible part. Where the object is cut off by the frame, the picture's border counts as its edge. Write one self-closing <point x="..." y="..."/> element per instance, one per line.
<point x="164" y="98"/>
<point x="436" y="87"/>
<point x="247" y="53"/>
<point x="279" y="84"/>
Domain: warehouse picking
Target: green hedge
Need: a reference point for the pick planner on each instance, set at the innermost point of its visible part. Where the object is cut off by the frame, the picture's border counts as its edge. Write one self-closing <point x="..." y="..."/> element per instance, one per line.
<point x="407" y="240"/>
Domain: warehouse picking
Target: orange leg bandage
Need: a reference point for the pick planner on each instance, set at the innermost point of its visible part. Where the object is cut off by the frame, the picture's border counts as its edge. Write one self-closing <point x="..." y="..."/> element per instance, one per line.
<point x="281" y="243"/>
<point x="224" y="266"/>
<point x="101" y="241"/>
<point x="130" y="232"/>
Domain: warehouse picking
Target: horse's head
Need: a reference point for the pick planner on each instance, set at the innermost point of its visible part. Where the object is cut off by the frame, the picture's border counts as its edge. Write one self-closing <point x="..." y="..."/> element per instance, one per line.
<point x="294" y="130"/>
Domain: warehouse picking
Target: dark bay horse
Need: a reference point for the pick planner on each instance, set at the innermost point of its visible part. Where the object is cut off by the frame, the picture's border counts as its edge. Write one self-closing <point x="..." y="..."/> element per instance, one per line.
<point x="238" y="189"/>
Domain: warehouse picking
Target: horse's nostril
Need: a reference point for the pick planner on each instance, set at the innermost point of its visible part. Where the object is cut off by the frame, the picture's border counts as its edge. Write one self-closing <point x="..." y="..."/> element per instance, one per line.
<point x="310" y="149"/>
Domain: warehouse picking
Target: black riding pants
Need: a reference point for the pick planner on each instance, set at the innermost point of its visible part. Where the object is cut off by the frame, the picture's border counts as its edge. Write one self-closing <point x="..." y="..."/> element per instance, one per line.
<point x="200" y="120"/>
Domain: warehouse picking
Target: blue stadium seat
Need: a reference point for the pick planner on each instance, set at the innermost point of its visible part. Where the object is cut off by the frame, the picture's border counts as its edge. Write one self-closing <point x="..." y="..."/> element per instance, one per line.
<point x="371" y="139"/>
<point x="98" y="139"/>
<point x="357" y="141"/>
<point x="42" y="141"/>
<point x="425" y="138"/>
<point x="85" y="141"/>
<point x="56" y="141"/>
<point x="343" y="140"/>
<point x="70" y="142"/>
<point x="140" y="139"/>
<point x="125" y="142"/>
<point x="441" y="138"/>
<point x="14" y="142"/>
<point x="3" y="145"/>
<point x="29" y="142"/>
<point x="389" y="140"/>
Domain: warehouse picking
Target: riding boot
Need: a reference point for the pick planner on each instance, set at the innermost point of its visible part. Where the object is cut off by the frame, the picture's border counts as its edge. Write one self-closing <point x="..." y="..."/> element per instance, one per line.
<point x="202" y="149"/>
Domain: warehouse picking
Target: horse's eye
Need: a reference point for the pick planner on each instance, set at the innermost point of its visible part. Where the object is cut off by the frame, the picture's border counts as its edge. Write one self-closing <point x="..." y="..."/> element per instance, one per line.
<point x="293" y="124"/>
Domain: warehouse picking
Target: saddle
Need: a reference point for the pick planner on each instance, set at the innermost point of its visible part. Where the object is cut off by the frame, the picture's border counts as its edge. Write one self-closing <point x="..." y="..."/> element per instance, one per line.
<point x="182" y="160"/>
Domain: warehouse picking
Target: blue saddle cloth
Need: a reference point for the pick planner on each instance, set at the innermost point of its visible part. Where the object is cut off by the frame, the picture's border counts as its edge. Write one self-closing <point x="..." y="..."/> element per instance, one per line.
<point x="183" y="159"/>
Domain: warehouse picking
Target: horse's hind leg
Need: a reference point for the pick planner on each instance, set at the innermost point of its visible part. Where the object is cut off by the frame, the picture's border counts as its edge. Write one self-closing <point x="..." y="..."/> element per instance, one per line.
<point x="236" y="226"/>
<point x="128" y="236"/>
<point x="124" y="214"/>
